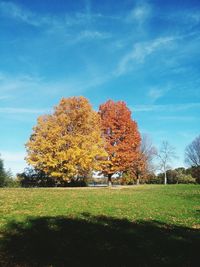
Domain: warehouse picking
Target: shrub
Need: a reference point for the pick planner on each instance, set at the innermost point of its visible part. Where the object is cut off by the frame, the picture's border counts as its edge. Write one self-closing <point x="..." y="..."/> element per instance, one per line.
<point x="36" y="178"/>
<point x="186" y="179"/>
<point x="153" y="179"/>
<point x="127" y="178"/>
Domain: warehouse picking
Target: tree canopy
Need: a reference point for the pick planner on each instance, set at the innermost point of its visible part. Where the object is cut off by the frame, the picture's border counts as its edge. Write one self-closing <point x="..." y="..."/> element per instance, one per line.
<point x="192" y="153"/>
<point x="121" y="134"/>
<point x="67" y="143"/>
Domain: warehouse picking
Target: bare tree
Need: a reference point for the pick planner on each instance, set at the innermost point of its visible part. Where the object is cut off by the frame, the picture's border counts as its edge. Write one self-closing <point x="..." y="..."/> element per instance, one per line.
<point x="165" y="156"/>
<point x="192" y="153"/>
<point x="143" y="165"/>
<point x="148" y="150"/>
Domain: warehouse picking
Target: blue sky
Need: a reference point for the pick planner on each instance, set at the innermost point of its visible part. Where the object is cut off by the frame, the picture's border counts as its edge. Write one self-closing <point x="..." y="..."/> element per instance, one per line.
<point x="146" y="53"/>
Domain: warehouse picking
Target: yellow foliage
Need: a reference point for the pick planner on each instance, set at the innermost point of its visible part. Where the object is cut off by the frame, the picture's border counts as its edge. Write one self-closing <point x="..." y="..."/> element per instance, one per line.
<point x="68" y="142"/>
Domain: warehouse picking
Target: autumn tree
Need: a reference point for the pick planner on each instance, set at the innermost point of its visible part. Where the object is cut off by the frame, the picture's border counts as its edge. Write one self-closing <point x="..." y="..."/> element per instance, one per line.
<point x="121" y="135"/>
<point x="68" y="143"/>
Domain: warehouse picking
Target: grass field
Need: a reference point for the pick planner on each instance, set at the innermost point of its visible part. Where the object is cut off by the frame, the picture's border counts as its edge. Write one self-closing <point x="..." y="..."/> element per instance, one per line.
<point x="150" y="225"/>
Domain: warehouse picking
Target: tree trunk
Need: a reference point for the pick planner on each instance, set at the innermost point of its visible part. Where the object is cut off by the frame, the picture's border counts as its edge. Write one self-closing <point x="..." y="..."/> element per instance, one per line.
<point x="165" y="178"/>
<point x="109" y="179"/>
<point x="138" y="179"/>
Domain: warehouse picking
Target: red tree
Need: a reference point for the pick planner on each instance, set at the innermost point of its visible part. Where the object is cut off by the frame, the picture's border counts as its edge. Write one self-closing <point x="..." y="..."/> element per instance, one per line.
<point x="121" y="135"/>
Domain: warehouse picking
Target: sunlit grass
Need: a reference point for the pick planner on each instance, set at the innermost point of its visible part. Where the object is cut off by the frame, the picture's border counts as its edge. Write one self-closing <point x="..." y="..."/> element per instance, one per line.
<point x="172" y="204"/>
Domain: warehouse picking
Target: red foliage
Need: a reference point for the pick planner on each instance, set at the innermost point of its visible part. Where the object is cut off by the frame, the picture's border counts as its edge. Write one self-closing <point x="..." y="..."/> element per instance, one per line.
<point x="121" y="135"/>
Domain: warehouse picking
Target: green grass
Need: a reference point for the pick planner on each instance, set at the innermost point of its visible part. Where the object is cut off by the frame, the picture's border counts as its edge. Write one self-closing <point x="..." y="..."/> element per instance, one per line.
<point x="150" y="225"/>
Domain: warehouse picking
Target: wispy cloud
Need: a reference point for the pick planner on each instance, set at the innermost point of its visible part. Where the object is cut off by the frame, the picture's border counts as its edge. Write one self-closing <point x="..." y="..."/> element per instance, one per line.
<point x="18" y="12"/>
<point x="141" y="51"/>
<point x="27" y="84"/>
<point x="14" y="110"/>
<point x="93" y="35"/>
<point x="19" y="82"/>
<point x="12" y="10"/>
<point x="140" y="13"/>
<point x="186" y="17"/>
<point x="175" y="118"/>
<point x="169" y="108"/>
<point x="55" y="25"/>
<point x="156" y="93"/>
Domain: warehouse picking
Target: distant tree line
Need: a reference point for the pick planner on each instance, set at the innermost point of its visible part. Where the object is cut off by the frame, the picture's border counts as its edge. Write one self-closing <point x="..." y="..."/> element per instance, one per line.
<point x="32" y="178"/>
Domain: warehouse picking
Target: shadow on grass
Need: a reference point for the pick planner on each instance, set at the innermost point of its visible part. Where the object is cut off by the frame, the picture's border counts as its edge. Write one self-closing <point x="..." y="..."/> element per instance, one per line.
<point x="97" y="241"/>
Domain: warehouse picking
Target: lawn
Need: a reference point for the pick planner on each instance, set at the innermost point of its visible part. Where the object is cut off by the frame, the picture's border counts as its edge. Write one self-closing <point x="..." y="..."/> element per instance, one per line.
<point x="150" y="225"/>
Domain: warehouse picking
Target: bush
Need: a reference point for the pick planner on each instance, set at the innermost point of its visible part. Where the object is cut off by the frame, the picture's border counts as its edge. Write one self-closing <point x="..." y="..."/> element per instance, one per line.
<point x="127" y="178"/>
<point x="81" y="182"/>
<point x="35" y="178"/>
<point x="195" y="172"/>
<point x="186" y="179"/>
<point x="153" y="179"/>
<point x="12" y="182"/>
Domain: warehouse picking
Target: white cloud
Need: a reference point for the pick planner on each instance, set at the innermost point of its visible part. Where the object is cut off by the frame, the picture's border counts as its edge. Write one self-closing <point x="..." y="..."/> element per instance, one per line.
<point x="19" y="12"/>
<point x="20" y="82"/>
<point x="156" y="93"/>
<point x="169" y="108"/>
<point x="14" y="110"/>
<point x="178" y="118"/>
<point x="194" y="16"/>
<point x="70" y="28"/>
<point x="92" y="35"/>
<point x="141" y="51"/>
<point x="189" y="17"/>
<point x="34" y="85"/>
<point x="140" y="13"/>
<point x="14" y="11"/>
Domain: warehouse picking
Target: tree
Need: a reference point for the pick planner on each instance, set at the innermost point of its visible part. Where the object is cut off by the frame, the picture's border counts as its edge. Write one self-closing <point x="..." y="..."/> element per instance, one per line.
<point x="139" y="166"/>
<point x="5" y="176"/>
<point x="143" y="164"/>
<point x="165" y="155"/>
<point x="121" y="135"/>
<point x="67" y="143"/>
<point x="192" y="153"/>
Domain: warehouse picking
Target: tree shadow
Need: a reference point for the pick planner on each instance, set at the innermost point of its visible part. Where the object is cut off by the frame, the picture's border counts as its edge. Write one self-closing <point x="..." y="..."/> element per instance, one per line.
<point x="97" y="241"/>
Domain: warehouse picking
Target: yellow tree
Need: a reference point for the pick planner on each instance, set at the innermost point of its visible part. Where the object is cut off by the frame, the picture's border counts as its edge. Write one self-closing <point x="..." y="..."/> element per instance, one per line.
<point x="67" y="143"/>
